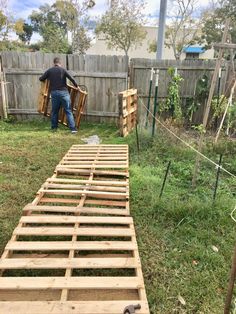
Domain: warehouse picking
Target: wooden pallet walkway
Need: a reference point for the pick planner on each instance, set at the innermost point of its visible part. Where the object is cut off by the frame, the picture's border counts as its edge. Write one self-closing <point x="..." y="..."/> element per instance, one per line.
<point x="74" y="249"/>
<point x="96" y="174"/>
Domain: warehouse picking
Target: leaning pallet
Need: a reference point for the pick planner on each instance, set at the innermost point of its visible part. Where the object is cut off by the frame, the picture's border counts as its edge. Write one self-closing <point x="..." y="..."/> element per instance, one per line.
<point x="74" y="249"/>
<point x="128" y="111"/>
<point x="78" y="99"/>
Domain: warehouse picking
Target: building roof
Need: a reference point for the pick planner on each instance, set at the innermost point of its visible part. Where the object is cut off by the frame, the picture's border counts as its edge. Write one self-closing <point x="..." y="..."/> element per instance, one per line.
<point x="194" y="49"/>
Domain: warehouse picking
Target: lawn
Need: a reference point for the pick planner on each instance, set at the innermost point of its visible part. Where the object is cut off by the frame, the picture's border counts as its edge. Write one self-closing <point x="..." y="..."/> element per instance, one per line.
<point x="185" y="240"/>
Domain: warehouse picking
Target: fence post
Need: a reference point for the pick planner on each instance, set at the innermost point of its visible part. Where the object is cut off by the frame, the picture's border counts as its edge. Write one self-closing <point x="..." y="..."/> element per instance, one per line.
<point x="165" y="177"/>
<point x="149" y="96"/>
<point x="217" y="177"/>
<point x="137" y="137"/>
<point x="231" y="284"/>
<point x="3" y="102"/>
<point x="155" y="103"/>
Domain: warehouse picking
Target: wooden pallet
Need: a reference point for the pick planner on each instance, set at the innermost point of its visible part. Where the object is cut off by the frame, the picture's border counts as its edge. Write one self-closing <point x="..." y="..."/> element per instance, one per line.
<point x="67" y="258"/>
<point x="96" y="174"/>
<point x="128" y="111"/>
<point x="78" y="99"/>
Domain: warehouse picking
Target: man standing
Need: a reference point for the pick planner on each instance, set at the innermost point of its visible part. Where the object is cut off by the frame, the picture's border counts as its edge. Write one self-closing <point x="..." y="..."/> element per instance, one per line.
<point x="60" y="96"/>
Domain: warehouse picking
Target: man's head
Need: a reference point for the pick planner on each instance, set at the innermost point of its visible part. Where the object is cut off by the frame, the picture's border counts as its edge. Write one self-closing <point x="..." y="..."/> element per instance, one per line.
<point x="57" y="61"/>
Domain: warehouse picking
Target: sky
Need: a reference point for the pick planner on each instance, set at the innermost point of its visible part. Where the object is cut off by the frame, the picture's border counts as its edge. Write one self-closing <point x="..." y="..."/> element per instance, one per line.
<point x="23" y="8"/>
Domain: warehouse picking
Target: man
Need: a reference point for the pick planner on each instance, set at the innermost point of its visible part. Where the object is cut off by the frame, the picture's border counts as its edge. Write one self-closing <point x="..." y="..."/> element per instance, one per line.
<point x="60" y="96"/>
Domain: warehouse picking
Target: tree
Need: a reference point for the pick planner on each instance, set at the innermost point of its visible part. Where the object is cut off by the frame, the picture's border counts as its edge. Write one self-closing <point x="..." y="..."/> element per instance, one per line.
<point x="75" y="18"/>
<point x="26" y="33"/>
<point x="47" y="23"/>
<point x="214" y="21"/>
<point x="8" y="24"/>
<point x="229" y="7"/>
<point x="122" y="25"/>
<point x="56" y="22"/>
<point x="183" y="30"/>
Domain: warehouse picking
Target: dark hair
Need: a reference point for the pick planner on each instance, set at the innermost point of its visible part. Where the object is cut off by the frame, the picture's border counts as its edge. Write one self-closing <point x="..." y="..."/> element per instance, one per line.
<point x="56" y="60"/>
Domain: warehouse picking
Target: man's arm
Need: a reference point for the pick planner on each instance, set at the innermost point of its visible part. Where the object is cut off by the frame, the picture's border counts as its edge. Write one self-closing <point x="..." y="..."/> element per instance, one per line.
<point x="71" y="79"/>
<point x="44" y="76"/>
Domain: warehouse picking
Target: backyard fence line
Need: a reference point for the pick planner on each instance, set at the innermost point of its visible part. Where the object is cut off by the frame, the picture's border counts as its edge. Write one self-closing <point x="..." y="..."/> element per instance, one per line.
<point x="104" y="76"/>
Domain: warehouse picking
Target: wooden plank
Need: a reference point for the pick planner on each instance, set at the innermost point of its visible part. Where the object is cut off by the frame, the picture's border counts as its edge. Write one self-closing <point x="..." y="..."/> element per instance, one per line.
<point x="78" y="166"/>
<point x="68" y="245"/>
<point x="224" y="46"/>
<point x="117" y="158"/>
<point x="91" y="187"/>
<point x="95" y="164"/>
<point x="85" y="171"/>
<point x="42" y="231"/>
<point x="106" y="202"/>
<point x="70" y="307"/>
<point x="72" y="209"/>
<point x="95" y="202"/>
<point x="92" y="182"/>
<point x="41" y="283"/>
<point x="82" y="192"/>
<point x="62" y="263"/>
<point x="76" y="219"/>
<point x="100" y="146"/>
<point x="92" y="154"/>
<point x="68" y="272"/>
<point x="108" y="149"/>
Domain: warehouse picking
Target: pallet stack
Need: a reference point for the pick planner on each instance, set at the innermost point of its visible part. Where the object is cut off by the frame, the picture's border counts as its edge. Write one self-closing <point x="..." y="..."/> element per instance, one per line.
<point x="74" y="249"/>
<point x="128" y="111"/>
<point x="78" y="100"/>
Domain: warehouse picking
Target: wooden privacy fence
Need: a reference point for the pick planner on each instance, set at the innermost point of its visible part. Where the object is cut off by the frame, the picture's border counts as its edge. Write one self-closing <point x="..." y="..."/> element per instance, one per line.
<point x="190" y="70"/>
<point x="75" y="249"/>
<point x="104" y="77"/>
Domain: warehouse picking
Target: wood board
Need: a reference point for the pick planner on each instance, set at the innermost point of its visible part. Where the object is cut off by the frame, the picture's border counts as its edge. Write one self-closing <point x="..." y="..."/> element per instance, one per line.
<point x="78" y="100"/>
<point x="81" y="257"/>
<point x="128" y="111"/>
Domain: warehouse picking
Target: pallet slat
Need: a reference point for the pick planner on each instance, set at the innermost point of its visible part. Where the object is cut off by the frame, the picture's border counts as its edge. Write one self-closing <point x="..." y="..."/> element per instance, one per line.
<point x="71" y="307"/>
<point x="62" y="263"/>
<point x="68" y="245"/>
<point x="39" y="283"/>
<point x="71" y="209"/>
<point x="76" y="219"/>
<point x="41" y="231"/>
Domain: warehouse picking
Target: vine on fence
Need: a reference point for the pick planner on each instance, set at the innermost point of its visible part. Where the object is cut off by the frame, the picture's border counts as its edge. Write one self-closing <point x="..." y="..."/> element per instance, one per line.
<point x="173" y="98"/>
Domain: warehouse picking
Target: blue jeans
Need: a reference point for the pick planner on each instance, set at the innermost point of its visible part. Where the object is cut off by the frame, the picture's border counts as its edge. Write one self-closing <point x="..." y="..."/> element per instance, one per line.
<point x="61" y="98"/>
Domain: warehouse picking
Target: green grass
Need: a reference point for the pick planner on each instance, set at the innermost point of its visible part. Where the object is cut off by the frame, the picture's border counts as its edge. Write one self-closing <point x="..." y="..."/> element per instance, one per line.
<point x="175" y="233"/>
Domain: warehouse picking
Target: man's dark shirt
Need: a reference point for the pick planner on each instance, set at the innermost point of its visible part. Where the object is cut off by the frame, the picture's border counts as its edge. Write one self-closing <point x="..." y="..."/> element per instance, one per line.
<point x="57" y="77"/>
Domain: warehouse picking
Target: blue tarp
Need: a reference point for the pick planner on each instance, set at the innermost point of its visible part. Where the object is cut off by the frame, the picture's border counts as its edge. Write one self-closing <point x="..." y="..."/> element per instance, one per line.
<point x="194" y="49"/>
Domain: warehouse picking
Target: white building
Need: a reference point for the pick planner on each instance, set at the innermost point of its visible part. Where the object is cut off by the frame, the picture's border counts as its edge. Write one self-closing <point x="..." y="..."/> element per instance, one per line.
<point x="99" y="47"/>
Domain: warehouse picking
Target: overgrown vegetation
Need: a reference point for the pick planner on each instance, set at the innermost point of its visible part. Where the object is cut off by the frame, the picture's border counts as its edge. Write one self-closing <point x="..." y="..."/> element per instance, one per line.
<point x="173" y="100"/>
<point x="185" y="241"/>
